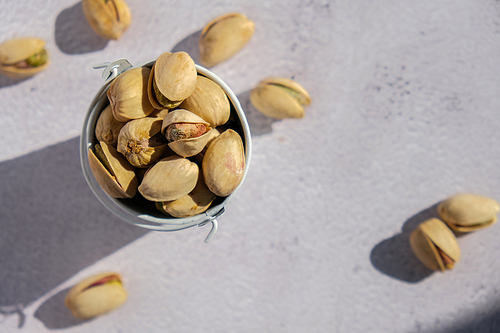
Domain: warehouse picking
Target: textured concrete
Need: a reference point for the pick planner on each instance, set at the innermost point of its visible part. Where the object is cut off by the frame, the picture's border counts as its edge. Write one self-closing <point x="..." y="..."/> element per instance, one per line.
<point x="404" y="114"/>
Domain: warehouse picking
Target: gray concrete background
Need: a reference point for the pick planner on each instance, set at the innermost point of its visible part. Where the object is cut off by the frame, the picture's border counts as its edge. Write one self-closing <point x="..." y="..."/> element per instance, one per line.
<point x="404" y="114"/>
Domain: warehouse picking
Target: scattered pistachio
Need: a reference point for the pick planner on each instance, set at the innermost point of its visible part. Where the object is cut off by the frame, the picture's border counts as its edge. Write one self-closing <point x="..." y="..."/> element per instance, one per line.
<point x="23" y="57"/>
<point x="108" y="18"/>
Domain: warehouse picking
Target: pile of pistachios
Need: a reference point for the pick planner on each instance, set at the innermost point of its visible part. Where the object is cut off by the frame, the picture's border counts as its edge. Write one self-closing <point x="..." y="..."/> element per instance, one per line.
<point x="435" y="244"/>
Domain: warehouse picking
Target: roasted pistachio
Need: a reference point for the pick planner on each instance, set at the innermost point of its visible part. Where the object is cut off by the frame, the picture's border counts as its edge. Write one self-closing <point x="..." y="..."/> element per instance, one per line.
<point x="128" y="96"/>
<point x="173" y="78"/>
<point x="223" y="37"/>
<point x="224" y="163"/>
<point x="468" y="212"/>
<point x="107" y="127"/>
<point x="96" y="295"/>
<point x="23" y="57"/>
<point x="209" y="102"/>
<point x="280" y="98"/>
<point x="169" y="179"/>
<point x="112" y="171"/>
<point x="435" y="245"/>
<point x="108" y="18"/>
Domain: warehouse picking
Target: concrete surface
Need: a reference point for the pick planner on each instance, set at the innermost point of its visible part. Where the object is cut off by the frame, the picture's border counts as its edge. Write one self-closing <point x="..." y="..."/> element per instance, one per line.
<point x="404" y="114"/>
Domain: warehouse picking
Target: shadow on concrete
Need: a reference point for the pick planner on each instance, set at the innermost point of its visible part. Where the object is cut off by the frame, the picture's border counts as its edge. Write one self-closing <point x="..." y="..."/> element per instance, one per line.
<point x="7" y="81"/>
<point x="259" y="123"/>
<point x="190" y="45"/>
<point x="73" y="33"/>
<point x="52" y="226"/>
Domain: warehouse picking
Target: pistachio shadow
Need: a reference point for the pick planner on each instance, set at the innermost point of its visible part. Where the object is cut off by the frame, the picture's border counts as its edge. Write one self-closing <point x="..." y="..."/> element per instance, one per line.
<point x="189" y="45"/>
<point x="259" y="123"/>
<point x="73" y="33"/>
<point x="7" y="81"/>
<point x="394" y="256"/>
<point x="52" y="226"/>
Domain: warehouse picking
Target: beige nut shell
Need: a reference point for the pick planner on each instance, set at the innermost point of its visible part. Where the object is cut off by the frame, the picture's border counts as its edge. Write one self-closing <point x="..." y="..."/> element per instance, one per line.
<point x="19" y="49"/>
<point x="109" y="19"/>
<point x="107" y="127"/>
<point x="175" y="75"/>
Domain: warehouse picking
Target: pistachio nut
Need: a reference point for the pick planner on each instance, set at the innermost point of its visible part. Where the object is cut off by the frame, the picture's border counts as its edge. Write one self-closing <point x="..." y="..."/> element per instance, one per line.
<point x="169" y="179"/>
<point x="468" y="212"/>
<point x="159" y="113"/>
<point x="196" y="202"/>
<point x="128" y="96"/>
<point x="223" y="37"/>
<point x="224" y="163"/>
<point x="141" y="141"/>
<point x="209" y="102"/>
<point x="108" y="18"/>
<point x="435" y="245"/>
<point x="96" y="295"/>
<point x="112" y="171"/>
<point x="107" y="127"/>
<point x="173" y="78"/>
<point x="187" y="133"/>
<point x="280" y="98"/>
<point x="21" y="58"/>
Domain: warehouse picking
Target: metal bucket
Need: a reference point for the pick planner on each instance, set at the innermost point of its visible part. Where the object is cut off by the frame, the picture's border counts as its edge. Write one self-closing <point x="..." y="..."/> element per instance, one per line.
<point x="137" y="211"/>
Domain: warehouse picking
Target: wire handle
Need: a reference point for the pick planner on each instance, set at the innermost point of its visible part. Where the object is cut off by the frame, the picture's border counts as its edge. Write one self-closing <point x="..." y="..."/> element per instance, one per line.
<point x="113" y="69"/>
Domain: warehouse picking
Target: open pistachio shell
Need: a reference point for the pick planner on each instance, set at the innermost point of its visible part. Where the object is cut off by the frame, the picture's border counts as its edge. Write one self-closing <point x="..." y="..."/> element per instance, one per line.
<point x="435" y="245"/>
<point x="224" y="163"/>
<point x="280" y="98"/>
<point x="169" y="179"/>
<point x="112" y="171"/>
<point x="96" y="295"/>
<point x="107" y="127"/>
<point x="23" y="57"/>
<point x="128" y="96"/>
<point x="468" y="212"/>
<point x="108" y="18"/>
<point x="223" y="37"/>
<point x="209" y="102"/>
<point x="141" y="141"/>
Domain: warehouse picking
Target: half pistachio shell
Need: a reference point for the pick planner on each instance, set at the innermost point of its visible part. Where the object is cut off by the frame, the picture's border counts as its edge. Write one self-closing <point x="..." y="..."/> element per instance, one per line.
<point x="21" y="58"/>
<point x="223" y="37"/>
<point x="224" y="163"/>
<point x="169" y="179"/>
<point x="128" y="96"/>
<point x="108" y="18"/>
<point x="96" y="295"/>
<point x="468" y="212"/>
<point x="280" y="98"/>
<point x="435" y="245"/>
<point x="112" y="171"/>
<point x="141" y="141"/>
<point x="209" y="102"/>
<point x="107" y="127"/>
<point x="188" y="133"/>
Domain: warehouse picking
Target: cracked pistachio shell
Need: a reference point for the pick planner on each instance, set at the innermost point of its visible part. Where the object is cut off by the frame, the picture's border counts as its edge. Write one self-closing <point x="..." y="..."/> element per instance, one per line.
<point x="108" y="18"/>
<point x="141" y="141"/>
<point x="96" y="295"/>
<point x="194" y="203"/>
<point x="223" y="37"/>
<point x="112" y="171"/>
<point x="190" y="146"/>
<point x="173" y="78"/>
<point x="209" y="102"/>
<point x="468" y="212"/>
<point x="107" y="127"/>
<point x="21" y="58"/>
<point x="280" y="98"/>
<point x="224" y="163"/>
<point x="128" y="96"/>
<point x="435" y="245"/>
<point x="169" y="179"/>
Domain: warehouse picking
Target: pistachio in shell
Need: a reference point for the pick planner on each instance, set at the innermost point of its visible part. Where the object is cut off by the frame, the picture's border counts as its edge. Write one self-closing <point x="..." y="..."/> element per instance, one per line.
<point x="186" y="132"/>
<point x="223" y="37"/>
<point x="128" y="96"/>
<point x="209" y="102"/>
<point x="224" y="163"/>
<point x="467" y="212"/>
<point x="173" y="78"/>
<point x="108" y="18"/>
<point x="169" y="179"/>
<point x="112" y="171"/>
<point x="280" y="98"/>
<point x="107" y="127"/>
<point x="96" y="295"/>
<point x="435" y="245"/>
<point x="141" y="141"/>
<point x="21" y="58"/>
